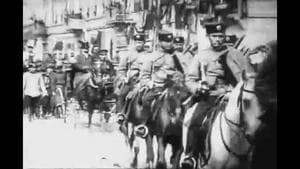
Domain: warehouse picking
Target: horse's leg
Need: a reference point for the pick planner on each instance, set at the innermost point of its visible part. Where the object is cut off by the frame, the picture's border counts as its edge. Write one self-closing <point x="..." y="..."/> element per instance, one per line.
<point x="90" y="111"/>
<point x="161" y="161"/>
<point x="136" y="150"/>
<point x="176" y="152"/>
<point x="150" y="152"/>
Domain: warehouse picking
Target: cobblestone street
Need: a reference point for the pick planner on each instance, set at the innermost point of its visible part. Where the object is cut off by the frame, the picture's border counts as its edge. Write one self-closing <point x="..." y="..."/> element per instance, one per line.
<point x="51" y="143"/>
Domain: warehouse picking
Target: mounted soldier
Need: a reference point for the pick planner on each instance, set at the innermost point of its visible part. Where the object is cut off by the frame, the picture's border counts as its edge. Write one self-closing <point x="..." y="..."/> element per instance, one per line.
<point x="81" y="67"/>
<point x="184" y="57"/>
<point x="211" y="74"/>
<point x="162" y="67"/>
<point x="129" y="72"/>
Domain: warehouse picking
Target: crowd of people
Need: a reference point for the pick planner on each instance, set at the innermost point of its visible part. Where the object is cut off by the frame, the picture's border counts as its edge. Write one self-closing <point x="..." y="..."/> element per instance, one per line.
<point x="49" y="83"/>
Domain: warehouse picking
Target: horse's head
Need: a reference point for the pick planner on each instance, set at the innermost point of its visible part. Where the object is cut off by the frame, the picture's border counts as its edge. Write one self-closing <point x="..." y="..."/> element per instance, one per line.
<point x="253" y="102"/>
<point x="176" y="94"/>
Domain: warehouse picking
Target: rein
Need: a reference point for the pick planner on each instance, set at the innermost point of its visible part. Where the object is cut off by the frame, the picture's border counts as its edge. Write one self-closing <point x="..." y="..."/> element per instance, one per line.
<point x="239" y="125"/>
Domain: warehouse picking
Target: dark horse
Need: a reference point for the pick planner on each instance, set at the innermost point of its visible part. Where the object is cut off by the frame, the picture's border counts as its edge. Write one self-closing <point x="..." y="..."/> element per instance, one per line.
<point x="95" y="91"/>
<point x="162" y="119"/>
<point x="134" y="124"/>
<point x="166" y="122"/>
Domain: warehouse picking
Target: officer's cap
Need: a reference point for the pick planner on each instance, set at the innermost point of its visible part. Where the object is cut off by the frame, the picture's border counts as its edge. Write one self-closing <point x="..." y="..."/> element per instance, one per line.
<point x="84" y="45"/>
<point x="103" y="51"/>
<point x="38" y="63"/>
<point x="179" y="39"/>
<point x="31" y="65"/>
<point x="95" y="59"/>
<point x="59" y="66"/>
<point x="50" y="66"/>
<point x="214" y="28"/>
<point x="139" y="37"/>
<point x="30" y="46"/>
<point x="165" y="36"/>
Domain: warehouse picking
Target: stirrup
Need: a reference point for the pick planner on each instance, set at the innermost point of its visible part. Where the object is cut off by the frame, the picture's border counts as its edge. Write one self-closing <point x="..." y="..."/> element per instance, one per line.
<point x="121" y="116"/>
<point x="189" y="158"/>
<point x="138" y="129"/>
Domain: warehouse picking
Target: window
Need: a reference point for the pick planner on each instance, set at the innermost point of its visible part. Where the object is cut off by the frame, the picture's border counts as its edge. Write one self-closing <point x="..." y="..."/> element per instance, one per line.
<point x="137" y="5"/>
<point x="88" y="12"/>
<point x="262" y="8"/>
<point x="95" y="10"/>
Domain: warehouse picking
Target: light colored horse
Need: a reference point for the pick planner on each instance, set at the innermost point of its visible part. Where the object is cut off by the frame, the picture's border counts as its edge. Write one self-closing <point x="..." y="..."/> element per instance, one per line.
<point x="234" y="129"/>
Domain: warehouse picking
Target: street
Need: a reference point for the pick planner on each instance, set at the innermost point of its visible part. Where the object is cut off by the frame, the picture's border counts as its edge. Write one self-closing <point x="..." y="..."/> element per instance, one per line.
<point x="51" y="143"/>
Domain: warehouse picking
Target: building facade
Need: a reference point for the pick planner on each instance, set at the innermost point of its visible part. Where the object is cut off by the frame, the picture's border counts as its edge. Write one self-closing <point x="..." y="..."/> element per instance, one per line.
<point x="112" y="23"/>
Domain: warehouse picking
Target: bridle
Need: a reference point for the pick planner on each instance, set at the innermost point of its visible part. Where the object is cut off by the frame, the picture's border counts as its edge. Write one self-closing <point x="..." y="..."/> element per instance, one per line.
<point x="239" y="125"/>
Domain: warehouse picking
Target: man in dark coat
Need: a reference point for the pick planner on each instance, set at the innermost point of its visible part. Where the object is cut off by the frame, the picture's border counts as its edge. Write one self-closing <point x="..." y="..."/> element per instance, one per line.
<point x="81" y="67"/>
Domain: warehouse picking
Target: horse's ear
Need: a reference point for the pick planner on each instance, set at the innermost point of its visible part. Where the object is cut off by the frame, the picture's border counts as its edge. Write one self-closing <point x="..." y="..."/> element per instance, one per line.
<point x="244" y="76"/>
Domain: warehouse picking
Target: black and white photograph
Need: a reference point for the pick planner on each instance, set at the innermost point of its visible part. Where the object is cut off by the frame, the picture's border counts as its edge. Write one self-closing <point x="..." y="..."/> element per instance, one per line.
<point x="149" y="84"/>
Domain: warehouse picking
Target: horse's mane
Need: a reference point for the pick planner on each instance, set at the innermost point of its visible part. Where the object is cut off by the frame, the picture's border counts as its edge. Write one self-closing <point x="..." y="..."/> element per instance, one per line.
<point x="266" y="79"/>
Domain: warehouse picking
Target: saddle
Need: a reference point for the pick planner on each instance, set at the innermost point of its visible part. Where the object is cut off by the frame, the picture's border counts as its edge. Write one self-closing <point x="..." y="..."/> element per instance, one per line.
<point x="206" y="127"/>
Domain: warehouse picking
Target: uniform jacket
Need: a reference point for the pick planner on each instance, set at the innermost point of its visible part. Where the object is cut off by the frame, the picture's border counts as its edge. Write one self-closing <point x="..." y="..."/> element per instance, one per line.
<point x="212" y="67"/>
<point x="131" y="63"/>
<point x="49" y="80"/>
<point x="185" y="60"/>
<point x="80" y="76"/>
<point x="82" y="61"/>
<point x="157" y="68"/>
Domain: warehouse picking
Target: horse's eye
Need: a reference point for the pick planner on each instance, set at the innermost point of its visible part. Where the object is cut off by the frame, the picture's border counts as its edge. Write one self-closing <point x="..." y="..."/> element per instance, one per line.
<point x="246" y="103"/>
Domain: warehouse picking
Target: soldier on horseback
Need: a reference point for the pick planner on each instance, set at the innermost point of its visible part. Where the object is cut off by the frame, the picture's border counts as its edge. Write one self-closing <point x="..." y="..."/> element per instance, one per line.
<point x="184" y="57"/>
<point x="210" y="76"/>
<point x="161" y="67"/>
<point x="81" y="67"/>
<point x="128" y="73"/>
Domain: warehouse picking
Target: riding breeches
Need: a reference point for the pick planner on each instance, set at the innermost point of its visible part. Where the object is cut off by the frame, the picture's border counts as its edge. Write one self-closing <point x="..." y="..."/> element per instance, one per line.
<point x="193" y="136"/>
<point x="122" y="96"/>
<point x="151" y="95"/>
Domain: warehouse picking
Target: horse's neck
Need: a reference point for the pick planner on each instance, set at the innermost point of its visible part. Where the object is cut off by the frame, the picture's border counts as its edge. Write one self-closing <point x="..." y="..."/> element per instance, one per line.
<point x="232" y="109"/>
<point x="233" y="134"/>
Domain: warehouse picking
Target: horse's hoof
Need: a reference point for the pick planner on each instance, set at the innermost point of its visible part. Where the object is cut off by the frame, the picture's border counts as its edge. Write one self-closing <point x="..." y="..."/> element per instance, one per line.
<point x="150" y="165"/>
<point x="161" y="165"/>
<point x="141" y="131"/>
<point x="189" y="163"/>
<point x="120" y="117"/>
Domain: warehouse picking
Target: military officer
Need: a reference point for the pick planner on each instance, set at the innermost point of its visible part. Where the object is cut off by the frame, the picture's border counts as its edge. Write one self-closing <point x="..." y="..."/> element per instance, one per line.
<point x="184" y="57"/>
<point x="207" y="78"/>
<point x="162" y="66"/>
<point x="128" y="71"/>
<point x="81" y="67"/>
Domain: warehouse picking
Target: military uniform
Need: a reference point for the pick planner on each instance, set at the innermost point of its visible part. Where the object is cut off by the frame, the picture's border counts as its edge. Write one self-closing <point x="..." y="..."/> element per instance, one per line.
<point x="157" y="71"/>
<point x="218" y="79"/>
<point x="83" y="63"/>
<point x="184" y="58"/>
<point x="129" y="72"/>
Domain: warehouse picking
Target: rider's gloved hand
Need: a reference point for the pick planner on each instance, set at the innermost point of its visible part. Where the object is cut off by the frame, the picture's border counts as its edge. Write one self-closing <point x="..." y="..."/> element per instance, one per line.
<point x="150" y="84"/>
<point x="202" y="87"/>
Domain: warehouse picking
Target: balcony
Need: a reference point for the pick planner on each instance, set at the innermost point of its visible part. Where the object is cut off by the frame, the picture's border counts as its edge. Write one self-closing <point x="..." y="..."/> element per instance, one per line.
<point x="121" y="19"/>
<point x="75" y="22"/>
